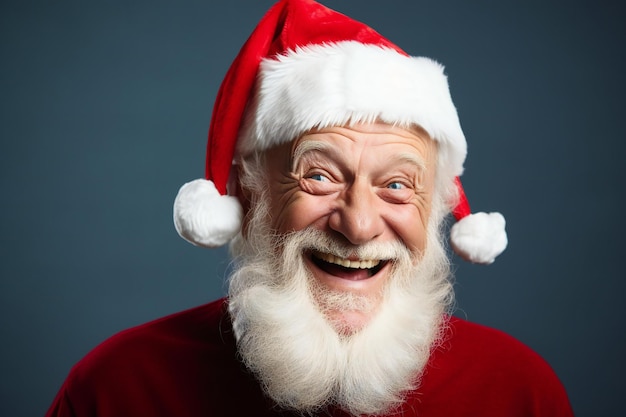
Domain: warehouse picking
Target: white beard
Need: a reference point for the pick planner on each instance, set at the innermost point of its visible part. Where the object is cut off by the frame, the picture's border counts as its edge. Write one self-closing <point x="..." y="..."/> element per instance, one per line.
<point x="305" y="362"/>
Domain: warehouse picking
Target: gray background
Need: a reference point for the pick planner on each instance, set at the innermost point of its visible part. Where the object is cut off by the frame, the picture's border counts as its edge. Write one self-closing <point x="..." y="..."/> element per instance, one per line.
<point x="105" y="109"/>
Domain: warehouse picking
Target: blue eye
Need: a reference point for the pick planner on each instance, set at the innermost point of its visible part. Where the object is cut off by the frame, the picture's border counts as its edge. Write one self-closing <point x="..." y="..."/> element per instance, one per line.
<point x="318" y="177"/>
<point x="395" y="186"/>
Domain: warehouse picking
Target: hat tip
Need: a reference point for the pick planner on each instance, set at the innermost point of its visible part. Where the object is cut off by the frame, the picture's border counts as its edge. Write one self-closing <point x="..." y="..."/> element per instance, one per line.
<point x="204" y="217"/>
<point x="479" y="237"/>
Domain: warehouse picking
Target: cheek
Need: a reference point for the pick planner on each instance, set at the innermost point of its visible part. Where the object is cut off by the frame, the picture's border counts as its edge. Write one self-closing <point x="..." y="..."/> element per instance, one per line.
<point x="411" y="220"/>
<point x="300" y="212"/>
<point x="409" y="224"/>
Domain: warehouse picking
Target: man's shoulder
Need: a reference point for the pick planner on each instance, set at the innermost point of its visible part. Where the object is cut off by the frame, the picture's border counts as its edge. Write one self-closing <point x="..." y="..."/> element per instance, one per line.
<point x="470" y="345"/>
<point x="176" y="336"/>
<point x="478" y="365"/>
<point x="181" y="364"/>
<point x="479" y="339"/>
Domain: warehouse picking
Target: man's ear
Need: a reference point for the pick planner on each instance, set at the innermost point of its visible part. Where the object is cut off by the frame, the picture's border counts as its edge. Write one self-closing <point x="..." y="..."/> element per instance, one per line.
<point x="242" y="194"/>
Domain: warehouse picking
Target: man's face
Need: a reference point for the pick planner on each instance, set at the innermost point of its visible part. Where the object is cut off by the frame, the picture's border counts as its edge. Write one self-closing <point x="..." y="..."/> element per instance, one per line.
<point x="362" y="184"/>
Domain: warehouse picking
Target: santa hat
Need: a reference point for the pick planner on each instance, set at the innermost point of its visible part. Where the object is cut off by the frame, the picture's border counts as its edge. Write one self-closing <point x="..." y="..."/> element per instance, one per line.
<point x="306" y="66"/>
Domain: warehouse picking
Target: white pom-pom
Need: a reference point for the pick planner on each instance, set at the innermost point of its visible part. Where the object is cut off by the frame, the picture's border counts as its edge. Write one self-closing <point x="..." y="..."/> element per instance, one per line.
<point x="204" y="217"/>
<point x="479" y="237"/>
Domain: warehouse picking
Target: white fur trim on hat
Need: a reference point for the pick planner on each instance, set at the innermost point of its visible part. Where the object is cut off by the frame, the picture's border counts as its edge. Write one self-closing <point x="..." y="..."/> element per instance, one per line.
<point x="204" y="217"/>
<point x="348" y="82"/>
<point x="479" y="237"/>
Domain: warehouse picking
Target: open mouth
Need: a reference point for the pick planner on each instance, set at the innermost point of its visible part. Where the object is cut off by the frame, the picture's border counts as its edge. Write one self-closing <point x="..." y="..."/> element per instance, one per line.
<point x="347" y="268"/>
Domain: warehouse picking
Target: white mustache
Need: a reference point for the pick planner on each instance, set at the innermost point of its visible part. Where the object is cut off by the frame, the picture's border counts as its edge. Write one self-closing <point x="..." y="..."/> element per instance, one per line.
<point x="313" y="240"/>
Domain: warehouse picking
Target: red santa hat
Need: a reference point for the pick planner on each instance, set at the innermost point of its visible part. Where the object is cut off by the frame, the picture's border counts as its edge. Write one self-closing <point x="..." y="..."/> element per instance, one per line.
<point x="306" y="66"/>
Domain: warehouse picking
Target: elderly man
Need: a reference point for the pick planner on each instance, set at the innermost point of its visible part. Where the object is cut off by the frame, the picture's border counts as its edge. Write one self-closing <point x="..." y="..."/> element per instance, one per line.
<point x="333" y="160"/>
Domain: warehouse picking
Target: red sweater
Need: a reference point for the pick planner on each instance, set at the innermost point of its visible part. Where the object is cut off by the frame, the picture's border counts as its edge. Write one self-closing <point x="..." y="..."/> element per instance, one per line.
<point x="186" y="365"/>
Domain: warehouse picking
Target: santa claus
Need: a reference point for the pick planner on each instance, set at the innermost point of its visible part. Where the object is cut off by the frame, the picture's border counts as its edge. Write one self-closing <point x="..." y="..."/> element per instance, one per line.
<point x="333" y="162"/>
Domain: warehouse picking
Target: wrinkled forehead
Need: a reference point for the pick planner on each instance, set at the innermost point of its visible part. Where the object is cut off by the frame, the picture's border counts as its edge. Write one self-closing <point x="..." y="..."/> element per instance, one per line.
<point x="383" y="137"/>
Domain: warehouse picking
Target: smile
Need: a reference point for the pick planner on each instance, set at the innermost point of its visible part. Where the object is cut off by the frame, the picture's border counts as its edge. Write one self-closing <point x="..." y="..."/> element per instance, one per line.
<point x="347" y="268"/>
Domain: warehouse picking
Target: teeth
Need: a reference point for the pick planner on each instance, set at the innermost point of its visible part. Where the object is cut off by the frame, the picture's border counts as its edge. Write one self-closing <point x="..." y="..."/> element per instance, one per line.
<point x="363" y="264"/>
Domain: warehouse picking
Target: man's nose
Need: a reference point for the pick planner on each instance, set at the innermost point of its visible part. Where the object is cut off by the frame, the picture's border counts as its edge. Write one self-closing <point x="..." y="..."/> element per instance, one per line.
<point x="357" y="216"/>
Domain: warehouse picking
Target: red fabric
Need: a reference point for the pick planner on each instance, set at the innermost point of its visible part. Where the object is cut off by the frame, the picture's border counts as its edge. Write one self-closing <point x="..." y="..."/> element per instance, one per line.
<point x="287" y="25"/>
<point x="186" y="365"/>
<point x="462" y="208"/>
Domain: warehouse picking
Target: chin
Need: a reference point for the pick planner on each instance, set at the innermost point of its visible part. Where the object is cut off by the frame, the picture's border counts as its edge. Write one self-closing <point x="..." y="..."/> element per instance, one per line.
<point x="347" y="323"/>
<point x="346" y="312"/>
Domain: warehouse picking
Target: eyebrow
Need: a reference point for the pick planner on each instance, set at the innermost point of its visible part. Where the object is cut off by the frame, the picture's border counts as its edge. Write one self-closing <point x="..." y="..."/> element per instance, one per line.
<point x="412" y="159"/>
<point x="309" y="146"/>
